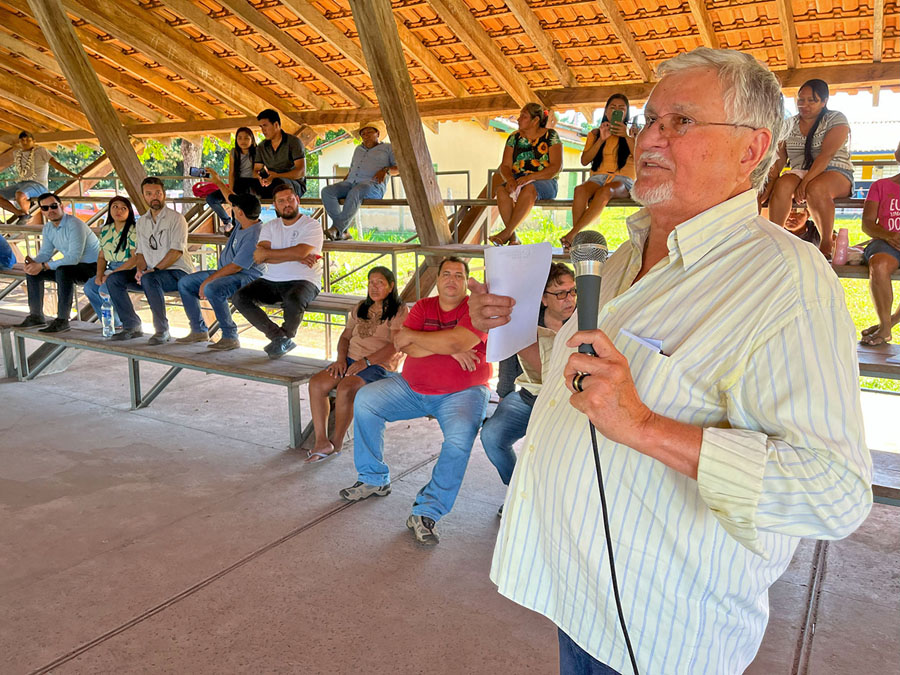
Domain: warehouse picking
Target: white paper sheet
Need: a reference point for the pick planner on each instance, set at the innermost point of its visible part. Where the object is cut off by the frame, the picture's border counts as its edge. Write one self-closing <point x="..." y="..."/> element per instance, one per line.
<point x="519" y="272"/>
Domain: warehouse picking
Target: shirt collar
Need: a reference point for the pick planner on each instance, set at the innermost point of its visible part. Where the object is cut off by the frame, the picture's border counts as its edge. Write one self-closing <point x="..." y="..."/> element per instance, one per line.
<point x="696" y="237"/>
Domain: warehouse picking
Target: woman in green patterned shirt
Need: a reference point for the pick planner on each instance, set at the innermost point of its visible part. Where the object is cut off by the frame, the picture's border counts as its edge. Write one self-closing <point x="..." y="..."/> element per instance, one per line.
<point x="117" y="241"/>
<point x="531" y="161"/>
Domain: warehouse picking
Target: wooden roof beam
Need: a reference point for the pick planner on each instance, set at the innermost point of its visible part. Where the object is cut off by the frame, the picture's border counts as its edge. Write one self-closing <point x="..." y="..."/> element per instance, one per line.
<point x="785" y="11"/>
<point x="20" y="123"/>
<point x="878" y="32"/>
<point x="27" y="30"/>
<point x="704" y="23"/>
<point x="429" y="61"/>
<point x="32" y="117"/>
<point x="312" y="17"/>
<point x="54" y="107"/>
<point x="542" y="40"/>
<point x="172" y="48"/>
<point x="626" y="38"/>
<point x="223" y="34"/>
<point x="475" y="38"/>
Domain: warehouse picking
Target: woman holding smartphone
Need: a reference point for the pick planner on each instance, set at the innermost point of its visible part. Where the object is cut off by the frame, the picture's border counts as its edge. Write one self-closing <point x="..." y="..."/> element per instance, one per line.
<point x="240" y="174"/>
<point x="609" y="149"/>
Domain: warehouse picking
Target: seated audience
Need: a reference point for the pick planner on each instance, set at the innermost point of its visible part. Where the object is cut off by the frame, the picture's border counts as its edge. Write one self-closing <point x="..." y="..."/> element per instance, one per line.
<point x="280" y="158"/>
<point x="7" y="255"/>
<point x="510" y="420"/>
<point x="72" y="238"/>
<point x="32" y="164"/>
<point x="291" y="247"/>
<point x="370" y="166"/>
<point x="240" y="175"/>
<point x="366" y="353"/>
<point x="531" y="162"/>
<point x="237" y="268"/>
<point x="801" y="225"/>
<point x="118" y="239"/>
<point x="609" y="149"/>
<point x="881" y="221"/>
<point x="160" y="260"/>
<point x="816" y="147"/>
<point x="445" y="375"/>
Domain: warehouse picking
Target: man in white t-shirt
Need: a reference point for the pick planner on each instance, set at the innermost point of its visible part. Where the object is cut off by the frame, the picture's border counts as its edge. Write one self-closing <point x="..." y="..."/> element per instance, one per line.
<point x="32" y="164"/>
<point x="291" y="247"/>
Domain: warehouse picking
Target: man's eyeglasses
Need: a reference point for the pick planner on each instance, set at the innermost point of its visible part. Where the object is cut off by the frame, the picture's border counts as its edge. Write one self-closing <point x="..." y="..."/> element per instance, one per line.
<point x="154" y="244"/>
<point x="562" y="295"/>
<point x="48" y="207"/>
<point x="678" y="124"/>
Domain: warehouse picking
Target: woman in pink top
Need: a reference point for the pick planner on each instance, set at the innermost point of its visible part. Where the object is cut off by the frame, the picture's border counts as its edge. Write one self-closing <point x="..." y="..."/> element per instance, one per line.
<point x="366" y="353"/>
<point x="881" y="221"/>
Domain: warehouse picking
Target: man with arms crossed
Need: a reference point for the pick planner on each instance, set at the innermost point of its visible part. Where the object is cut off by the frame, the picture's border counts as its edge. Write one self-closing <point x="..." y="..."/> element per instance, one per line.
<point x="159" y="262"/>
<point x="280" y="158"/>
<point x="721" y="449"/>
<point x="445" y="375"/>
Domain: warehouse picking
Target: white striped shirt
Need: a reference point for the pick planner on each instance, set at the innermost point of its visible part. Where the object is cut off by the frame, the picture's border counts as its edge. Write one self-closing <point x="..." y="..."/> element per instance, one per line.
<point x="759" y="350"/>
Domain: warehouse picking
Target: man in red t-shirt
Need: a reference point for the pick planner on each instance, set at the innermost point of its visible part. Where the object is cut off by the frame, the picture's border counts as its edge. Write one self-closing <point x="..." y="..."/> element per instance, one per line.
<point x="445" y="375"/>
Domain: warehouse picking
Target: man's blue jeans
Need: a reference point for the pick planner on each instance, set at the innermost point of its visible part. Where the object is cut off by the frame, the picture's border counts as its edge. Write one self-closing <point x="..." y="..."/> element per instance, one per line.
<point x="7" y="257"/>
<point x="217" y="293"/>
<point x="93" y="292"/>
<point x="507" y="425"/>
<point x="352" y="194"/>
<point x="573" y="660"/>
<point x="391" y="399"/>
<point x="154" y="284"/>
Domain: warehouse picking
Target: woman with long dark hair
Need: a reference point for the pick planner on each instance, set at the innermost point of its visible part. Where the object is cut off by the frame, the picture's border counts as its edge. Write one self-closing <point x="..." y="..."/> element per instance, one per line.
<point x="366" y="353"/>
<point x="240" y="174"/>
<point x="609" y="149"/>
<point x="118" y="237"/>
<point x="531" y="162"/>
<point x="817" y="151"/>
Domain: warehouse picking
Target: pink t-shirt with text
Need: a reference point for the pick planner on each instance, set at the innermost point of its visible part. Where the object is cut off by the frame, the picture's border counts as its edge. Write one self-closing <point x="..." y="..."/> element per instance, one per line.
<point x="887" y="193"/>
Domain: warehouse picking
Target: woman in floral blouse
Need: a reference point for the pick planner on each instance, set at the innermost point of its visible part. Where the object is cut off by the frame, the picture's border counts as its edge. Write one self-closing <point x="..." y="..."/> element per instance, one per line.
<point x="117" y="242"/>
<point x="531" y="162"/>
<point x="366" y="353"/>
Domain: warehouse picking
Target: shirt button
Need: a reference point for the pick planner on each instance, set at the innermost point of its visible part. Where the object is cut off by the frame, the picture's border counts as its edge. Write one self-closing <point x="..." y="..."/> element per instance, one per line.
<point x="531" y="448"/>
<point x="523" y="495"/>
<point x="552" y="403"/>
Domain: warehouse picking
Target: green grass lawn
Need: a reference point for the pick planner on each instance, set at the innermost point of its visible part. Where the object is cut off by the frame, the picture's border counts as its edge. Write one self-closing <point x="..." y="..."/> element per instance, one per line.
<point x="547" y="225"/>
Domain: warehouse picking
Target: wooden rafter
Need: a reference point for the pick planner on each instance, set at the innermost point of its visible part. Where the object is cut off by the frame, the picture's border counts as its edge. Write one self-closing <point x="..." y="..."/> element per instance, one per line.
<point x="785" y="11"/>
<point x="173" y="49"/>
<point x="21" y="123"/>
<point x="878" y="31"/>
<point x="626" y="38"/>
<point x="704" y="23"/>
<point x="33" y="117"/>
<point x="473" y="35"/>
<point x="55" y="107"/>
<point x="542" y="40"/>
<point x="136" y="69"/>
<point x="429" y="61"/>
<point x="313" y="18"/>
<point x="223" y="34"/>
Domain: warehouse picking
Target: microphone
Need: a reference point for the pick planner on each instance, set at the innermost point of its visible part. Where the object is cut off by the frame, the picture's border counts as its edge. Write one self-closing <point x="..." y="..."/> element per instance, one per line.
<point x="589" y="253"/>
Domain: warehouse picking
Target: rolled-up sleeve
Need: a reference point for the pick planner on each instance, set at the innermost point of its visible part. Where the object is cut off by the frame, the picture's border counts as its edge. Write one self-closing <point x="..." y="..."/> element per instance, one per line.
<point x="795" y="461"/>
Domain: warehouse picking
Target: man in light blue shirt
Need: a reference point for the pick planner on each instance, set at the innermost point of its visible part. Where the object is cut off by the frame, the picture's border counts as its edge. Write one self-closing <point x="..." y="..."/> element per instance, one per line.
<point x="372" y="162"/>
<point x="236" y="269"/>
<point x="79" y="247"/>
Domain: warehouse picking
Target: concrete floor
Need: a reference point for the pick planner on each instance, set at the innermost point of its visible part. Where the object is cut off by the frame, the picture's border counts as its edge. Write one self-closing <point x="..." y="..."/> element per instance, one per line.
<point x="184" y="538"/>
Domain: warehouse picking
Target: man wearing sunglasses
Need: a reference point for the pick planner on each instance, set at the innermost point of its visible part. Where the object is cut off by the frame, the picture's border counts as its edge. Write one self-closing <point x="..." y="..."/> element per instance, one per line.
<point x="510" y="420"/>
<point x="159" y="262"/>
<point x="79" y="247"/>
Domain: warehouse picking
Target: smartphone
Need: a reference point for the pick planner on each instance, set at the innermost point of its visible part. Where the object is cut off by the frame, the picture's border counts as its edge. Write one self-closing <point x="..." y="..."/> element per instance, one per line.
<point x="197" y="172"/>
<point x="617" y="116"/>
<point x="263" y="173"/>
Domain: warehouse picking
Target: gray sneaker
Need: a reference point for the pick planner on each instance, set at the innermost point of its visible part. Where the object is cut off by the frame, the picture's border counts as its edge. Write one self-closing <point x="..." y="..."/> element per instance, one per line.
<point x="360" y="490"/>
<point x="192" y="337"/>
<point x="423" y="528"/>
<point x="159" y="338"/>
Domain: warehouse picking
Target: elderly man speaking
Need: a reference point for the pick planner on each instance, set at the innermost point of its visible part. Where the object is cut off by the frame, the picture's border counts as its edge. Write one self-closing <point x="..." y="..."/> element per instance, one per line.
<point x="720" y="449"/>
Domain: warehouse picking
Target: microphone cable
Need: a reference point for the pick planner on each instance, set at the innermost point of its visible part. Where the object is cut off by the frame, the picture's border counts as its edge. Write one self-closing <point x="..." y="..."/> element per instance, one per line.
<point x="609" y="550"/>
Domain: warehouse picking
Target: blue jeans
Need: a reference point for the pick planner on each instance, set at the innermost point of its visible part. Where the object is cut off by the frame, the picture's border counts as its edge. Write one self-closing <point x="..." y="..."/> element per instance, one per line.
<point x="31" y="188"/>
<point x="573" y="660"/>
<point x="7" y="257"/>
<point x="391" y="399"/>
<point x="217" y="293"/>
<point x="93" y="292"/>
<point x="507" y="425"/>
<point x="154" y="284"/>
<point x="352" y="194"/>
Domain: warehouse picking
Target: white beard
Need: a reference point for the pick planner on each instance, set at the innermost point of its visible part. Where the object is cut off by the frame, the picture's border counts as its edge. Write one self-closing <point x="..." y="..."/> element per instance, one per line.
<point x="652" y="196"/>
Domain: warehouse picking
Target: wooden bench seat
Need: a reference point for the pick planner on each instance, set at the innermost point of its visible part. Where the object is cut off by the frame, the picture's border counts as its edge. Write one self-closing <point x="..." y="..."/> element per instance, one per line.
<point x="246" y="364"/>
<point x="886" y="477"/>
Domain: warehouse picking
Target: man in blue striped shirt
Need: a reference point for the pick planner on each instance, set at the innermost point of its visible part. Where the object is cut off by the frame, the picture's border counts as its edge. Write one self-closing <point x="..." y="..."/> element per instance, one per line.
<point x="724" y="392"/>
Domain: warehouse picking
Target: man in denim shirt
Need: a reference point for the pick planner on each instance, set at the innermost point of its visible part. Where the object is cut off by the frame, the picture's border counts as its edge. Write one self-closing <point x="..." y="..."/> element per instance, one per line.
<point x="372" y="162"/>
<point x="236" y="269"/>
<point x="62" y="234"/>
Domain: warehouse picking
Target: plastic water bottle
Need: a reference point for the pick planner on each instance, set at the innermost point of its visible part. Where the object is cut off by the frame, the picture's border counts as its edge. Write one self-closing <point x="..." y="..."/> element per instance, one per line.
<point x="840" y="247"/>
<point x="107" y="316"/>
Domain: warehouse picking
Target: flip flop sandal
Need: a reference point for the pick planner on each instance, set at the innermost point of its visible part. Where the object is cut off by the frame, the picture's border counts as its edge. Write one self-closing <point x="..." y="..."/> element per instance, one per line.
<point x="320" y="457"/>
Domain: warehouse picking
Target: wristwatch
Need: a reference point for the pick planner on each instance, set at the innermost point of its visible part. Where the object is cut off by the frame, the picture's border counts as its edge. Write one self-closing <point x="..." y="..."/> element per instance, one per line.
<point x="366" y="359"/>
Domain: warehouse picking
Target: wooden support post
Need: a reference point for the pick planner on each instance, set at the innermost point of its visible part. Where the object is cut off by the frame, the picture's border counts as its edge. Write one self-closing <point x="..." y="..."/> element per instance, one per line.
<point x="56" y="26"/>
<point x="381" y="45"/>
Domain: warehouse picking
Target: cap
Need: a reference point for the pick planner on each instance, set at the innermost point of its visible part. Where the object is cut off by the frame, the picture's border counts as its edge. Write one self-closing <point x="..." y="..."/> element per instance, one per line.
<point x="247" y="203"/>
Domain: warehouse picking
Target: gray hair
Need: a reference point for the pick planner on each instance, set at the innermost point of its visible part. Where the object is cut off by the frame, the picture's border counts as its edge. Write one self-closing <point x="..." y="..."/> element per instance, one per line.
<point x="751" y="93"/>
